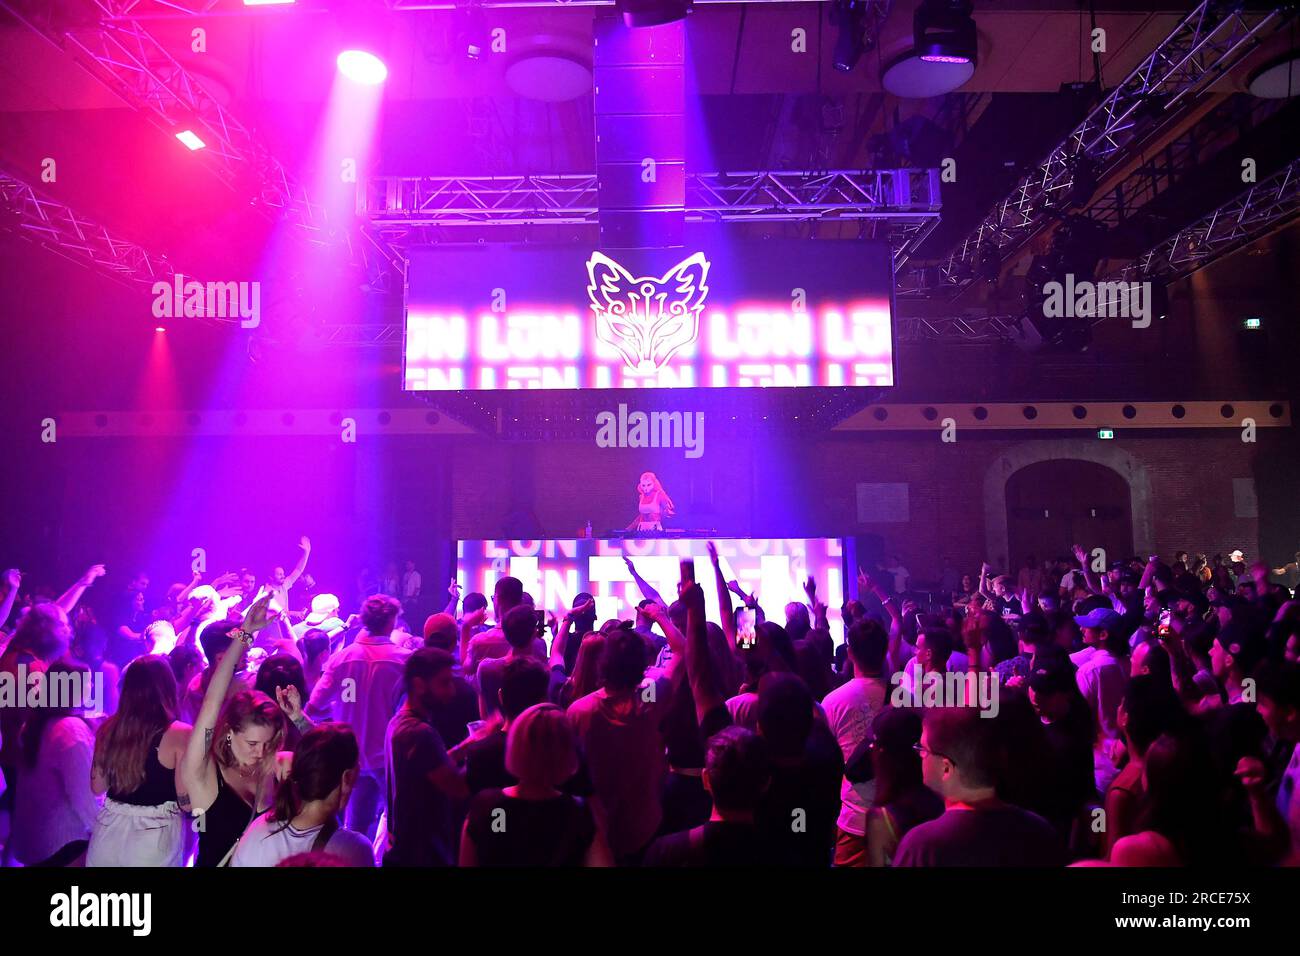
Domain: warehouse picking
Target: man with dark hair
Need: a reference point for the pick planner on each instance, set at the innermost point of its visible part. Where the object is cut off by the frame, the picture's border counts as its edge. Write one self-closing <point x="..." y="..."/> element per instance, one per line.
<point x="524" y="682"/>
<point x="361" y="685"/>
<point x="451" y="719"/>
<point x="799" y="810"/>
<point x="215" y="641"/>
<point x="736" y="774"/>
<point x="850" y="709"/>
<point x="508" y="595"/>
<point x="1236" y="651"/>
<point x="520" y="630"/>
<point x="618" y="727"/>
<point x="422" y="780"/>
<point x="961" y="760"/>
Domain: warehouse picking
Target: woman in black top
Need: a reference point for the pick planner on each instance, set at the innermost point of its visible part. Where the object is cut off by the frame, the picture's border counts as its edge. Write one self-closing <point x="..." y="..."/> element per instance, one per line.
<point x="533" y="823"/>
<point x="137" y="759"/>
<point x="232" y="760"/>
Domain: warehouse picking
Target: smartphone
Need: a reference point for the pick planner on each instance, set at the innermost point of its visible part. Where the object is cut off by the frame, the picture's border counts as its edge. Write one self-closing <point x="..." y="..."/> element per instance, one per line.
<point x="539" y="622"/>
<point x="1162" y="628"/>
<point x="745" y="623"/>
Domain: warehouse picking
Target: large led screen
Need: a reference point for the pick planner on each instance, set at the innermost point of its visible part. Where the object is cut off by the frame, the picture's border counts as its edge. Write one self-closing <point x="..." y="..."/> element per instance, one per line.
<point x="715" y="313"/>
<point x="555" y="571"/>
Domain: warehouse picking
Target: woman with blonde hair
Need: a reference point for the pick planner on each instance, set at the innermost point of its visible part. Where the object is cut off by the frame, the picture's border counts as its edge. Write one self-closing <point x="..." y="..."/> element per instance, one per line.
<point x="545" y="826"/>
<point x="653" y="504"/>
<point x="136" y="762"/>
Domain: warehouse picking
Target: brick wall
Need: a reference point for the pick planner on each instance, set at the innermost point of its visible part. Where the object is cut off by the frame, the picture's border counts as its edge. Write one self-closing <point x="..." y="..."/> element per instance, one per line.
<point x="753" y="487"/>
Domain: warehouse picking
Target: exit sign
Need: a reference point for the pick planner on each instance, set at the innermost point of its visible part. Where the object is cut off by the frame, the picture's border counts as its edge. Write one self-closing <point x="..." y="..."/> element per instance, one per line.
<point x="1105" y="433"/>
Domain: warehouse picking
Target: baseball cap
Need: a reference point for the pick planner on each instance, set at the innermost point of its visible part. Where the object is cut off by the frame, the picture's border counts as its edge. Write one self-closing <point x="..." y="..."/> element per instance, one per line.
<point x="1236" y="556"/>
<point x="323" y="607"/>
<point x="1102" y="617"/>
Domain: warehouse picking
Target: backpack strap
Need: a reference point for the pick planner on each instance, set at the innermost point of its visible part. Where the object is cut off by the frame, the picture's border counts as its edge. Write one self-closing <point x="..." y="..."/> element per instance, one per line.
<point x="327" y="830"/>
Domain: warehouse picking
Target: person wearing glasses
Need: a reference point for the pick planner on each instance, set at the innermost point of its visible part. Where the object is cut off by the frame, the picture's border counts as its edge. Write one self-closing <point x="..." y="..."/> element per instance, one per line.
<point x="961" y="755"/>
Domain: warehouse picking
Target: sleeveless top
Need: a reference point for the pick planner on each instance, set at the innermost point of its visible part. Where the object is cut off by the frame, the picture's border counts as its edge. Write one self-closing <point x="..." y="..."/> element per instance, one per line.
<point x="223" y="824"/>
<point x="159" y="784"/>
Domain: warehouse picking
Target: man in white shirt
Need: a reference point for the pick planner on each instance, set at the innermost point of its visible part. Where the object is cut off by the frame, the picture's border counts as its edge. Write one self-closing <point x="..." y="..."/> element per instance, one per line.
<point x="1102" y="678"/>
<point x="411" y="582"/>
<point x="900" y="573"/>
<point x="362" y="685"/>
<point x="850" y="709"/>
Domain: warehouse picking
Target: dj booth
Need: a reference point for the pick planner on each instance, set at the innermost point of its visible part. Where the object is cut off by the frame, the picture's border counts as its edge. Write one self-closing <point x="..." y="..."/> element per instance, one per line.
<point x="555" y="571"/>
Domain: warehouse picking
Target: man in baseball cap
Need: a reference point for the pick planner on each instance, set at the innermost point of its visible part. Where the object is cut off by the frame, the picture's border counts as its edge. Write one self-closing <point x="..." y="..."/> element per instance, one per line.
<point x="323" y="616"/>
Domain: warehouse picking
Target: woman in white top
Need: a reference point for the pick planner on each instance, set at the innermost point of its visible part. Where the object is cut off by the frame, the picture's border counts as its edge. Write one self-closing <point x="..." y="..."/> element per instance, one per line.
<point x="307" y="805"/>
<point x="54" y="807"/>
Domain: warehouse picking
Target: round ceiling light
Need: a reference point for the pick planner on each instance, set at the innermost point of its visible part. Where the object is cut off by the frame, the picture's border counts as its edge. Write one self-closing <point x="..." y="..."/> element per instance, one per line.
<point x="1277" y="79"/>
<point x="912" y="76"/>
<point x="553" y="67"/>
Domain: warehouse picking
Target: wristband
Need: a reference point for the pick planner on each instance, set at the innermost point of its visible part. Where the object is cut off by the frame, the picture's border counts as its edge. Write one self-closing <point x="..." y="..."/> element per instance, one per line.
<point x="241" y="635"/>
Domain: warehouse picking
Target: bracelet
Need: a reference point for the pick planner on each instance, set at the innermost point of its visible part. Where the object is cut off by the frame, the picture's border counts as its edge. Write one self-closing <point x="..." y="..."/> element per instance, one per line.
<point x="241" y="635"/>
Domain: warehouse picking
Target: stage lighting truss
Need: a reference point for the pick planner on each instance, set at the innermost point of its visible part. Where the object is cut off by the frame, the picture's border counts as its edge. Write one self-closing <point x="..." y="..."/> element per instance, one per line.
<point x="1204" y="46"/>
<point x="122" y="55"/>
<point x="412" y="211"/>
<point x="1258" y="210"/>
<point x="59" y="229"/>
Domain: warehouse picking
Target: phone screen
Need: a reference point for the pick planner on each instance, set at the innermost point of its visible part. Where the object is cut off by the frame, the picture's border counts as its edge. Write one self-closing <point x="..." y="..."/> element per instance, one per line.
<point x="745" y="623"/>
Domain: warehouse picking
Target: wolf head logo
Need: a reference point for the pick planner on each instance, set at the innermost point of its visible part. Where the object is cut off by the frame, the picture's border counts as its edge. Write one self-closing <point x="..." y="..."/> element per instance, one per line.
<point x="648" y="320"/>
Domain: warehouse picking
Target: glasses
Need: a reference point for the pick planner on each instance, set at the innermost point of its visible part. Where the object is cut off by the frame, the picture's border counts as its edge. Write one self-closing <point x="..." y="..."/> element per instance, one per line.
<point x="922" y="750"/>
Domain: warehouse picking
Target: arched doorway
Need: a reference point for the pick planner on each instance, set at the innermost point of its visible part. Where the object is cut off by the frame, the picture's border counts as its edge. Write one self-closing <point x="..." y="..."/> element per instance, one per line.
<point x="1054" y="504"/>
<point x="1108" y="454"/>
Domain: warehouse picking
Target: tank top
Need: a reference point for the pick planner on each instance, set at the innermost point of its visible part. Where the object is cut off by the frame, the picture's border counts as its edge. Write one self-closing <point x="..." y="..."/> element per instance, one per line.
<point x="223" y="824"/>
<point x="159" y="784"/>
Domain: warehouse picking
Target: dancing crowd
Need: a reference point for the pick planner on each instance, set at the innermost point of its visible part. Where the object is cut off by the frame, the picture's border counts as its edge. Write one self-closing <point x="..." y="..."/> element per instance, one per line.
<point x="1135" y="713"/>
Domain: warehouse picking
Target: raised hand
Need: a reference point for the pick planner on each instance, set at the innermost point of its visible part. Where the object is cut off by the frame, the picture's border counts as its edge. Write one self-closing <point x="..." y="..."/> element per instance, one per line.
<point x="13" y="578"/>
<point x="93" y="574"/>
<point x="305" y="543"/>
<point x="579" y="609"/>
<point x="713" y="552"/>
<point x="258" y="615"/>
<point x="454" y="589"/>
<point x="290" y="701"/>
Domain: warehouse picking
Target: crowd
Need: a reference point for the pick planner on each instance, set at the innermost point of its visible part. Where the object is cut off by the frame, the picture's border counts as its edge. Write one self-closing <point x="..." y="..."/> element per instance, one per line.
<point x="1132" y="714"/>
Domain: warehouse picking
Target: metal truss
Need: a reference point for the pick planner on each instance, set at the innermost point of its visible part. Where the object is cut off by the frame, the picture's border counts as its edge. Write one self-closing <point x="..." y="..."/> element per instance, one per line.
<point x="1207" y="43"/>
<point x="411" y="211"/>
<point x="120" y="53"/>
<point x="971" y="328"/>
<point x="1260" y="209"/>
<point x="1193" y="147"/>
<point x="59" y="229"/>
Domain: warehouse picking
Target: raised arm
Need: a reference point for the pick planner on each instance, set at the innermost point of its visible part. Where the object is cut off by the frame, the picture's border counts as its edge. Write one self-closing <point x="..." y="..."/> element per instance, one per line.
<point x="1090" y="580"/>
<point x="647" y="592"/>
<point x="13" y="580"/>
<point x="724" y="597"/>
<point x="453" y="600"/>
<point x="818" y="608"/>
<point x="198" y="772"/>
<point x="292" y="577"/>
<point x="69" y="598"/>
<point x="705" y="687"/>
<point x="565" y="634"/>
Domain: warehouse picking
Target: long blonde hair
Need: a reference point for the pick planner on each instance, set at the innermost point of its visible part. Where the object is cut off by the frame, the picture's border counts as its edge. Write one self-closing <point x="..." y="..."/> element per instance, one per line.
<point x="659" y="494"/>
